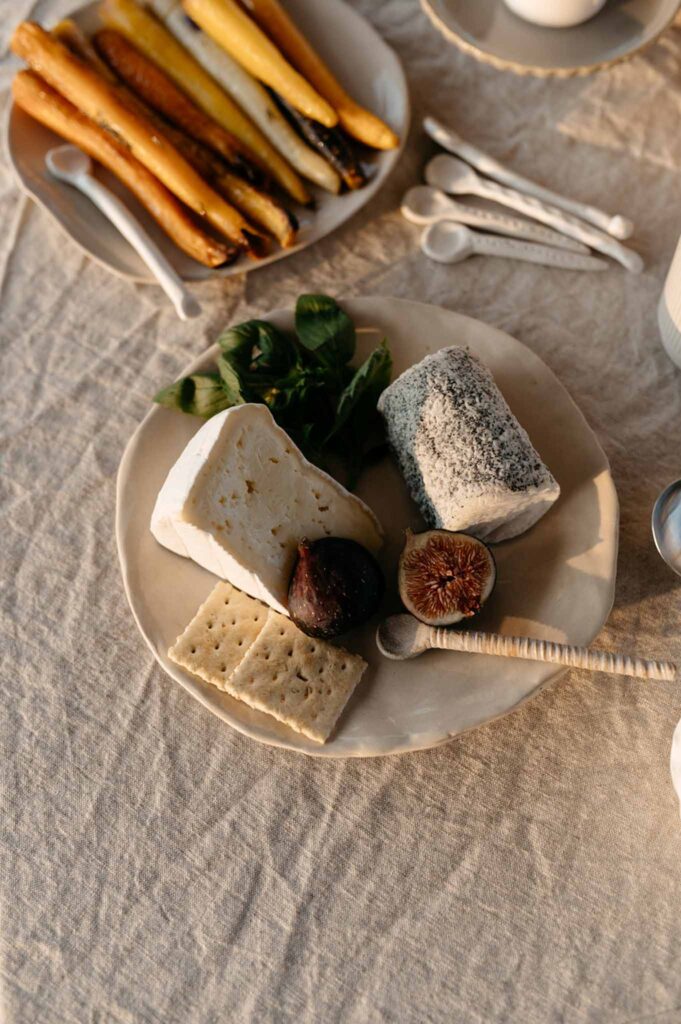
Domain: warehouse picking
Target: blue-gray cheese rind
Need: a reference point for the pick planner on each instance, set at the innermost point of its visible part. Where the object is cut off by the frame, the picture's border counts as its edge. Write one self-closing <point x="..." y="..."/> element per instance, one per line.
<point x="466" y="460"/>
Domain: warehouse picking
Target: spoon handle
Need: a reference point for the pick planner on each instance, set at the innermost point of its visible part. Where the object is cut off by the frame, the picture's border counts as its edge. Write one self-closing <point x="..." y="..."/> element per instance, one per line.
<point x="119" y="215"/>
<point x="488" y="220"/>
<point x="562" y="221"/>
<point x="617" y="225"/>
<point x="547" y="651"/>
<point x="531" y="253"/>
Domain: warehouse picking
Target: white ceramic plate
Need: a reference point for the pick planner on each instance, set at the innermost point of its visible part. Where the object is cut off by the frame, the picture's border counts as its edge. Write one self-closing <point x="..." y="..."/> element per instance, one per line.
<point x="555" y="582"/>
<point x="489" y="31"/>
<point x="352" y="48"/>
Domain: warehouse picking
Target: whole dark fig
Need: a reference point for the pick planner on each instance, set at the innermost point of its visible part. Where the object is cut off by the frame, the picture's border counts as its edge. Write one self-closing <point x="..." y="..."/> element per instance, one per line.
<point x="336" y="585"/>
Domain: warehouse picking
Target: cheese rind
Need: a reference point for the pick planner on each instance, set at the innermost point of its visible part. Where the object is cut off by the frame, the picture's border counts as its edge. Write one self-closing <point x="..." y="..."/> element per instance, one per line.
<point x="242" y="495"/>
<point x="467" y="462"/>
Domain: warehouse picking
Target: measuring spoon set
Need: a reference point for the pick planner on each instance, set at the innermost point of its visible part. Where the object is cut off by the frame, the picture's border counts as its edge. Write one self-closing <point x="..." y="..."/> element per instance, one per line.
<point x="564" y="236"/>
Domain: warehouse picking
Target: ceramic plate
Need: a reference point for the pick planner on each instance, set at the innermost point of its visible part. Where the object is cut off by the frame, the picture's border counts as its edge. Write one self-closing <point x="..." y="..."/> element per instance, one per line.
<point x="555" y="582"/>
<point x="352" y="48"/>
<point x="488" y="30"/>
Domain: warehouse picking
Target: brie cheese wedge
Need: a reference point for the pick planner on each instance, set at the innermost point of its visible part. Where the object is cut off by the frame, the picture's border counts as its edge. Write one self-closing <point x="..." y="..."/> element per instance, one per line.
<point x="242" y="495"/>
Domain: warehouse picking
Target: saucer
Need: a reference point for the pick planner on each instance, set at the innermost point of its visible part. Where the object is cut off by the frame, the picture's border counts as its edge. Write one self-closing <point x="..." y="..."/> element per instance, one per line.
<point x="490" y="32"/>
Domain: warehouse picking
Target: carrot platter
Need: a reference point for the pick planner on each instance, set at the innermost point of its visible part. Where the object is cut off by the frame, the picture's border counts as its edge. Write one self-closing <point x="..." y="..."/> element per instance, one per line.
<point x="224" y="126"/>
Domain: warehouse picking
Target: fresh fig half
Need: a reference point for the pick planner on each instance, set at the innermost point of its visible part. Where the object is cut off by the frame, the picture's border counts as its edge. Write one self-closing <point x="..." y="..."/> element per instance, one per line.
<point x="336" y="585"/>
<point x="445" y="577"/>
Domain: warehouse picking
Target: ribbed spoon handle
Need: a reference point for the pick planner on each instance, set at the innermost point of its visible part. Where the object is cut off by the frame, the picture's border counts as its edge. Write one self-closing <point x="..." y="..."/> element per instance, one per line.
<point x="530" y="252"/>
<point x="564" y="222"/>
<point x="546" y="650"/>
<point x="617" y="225"/>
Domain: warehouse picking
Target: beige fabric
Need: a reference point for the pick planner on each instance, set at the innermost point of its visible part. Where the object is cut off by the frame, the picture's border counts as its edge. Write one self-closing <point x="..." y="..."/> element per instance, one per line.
<point x="158" y="868"/>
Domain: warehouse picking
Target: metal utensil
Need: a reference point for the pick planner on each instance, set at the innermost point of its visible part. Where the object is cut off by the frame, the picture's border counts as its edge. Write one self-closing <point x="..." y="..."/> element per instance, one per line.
<point x="424" y="204"/>
<point x="449" y="242"/>
<point x="69" y="164"/>
<point x="666" y="525"/>
<point x="402" y="636"/>
<point x="453" y="175"/>
<point x="617" y="226"/>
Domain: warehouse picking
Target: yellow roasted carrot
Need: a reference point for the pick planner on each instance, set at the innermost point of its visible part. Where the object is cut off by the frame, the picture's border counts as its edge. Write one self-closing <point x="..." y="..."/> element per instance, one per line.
<point x="158" y="90"/>
<point x="231" y="27"/>
<point x="255" y="204"/>
<point x="357" y="121"/>
<point x="150" y="37"/>
<point x="259" y="207"/>
<point x="99" y="100"/>
<point x="49" y="107"/>
<point x="249" y="94"/>
<point x="151" y="98"/>
<point x="73" y="37"/>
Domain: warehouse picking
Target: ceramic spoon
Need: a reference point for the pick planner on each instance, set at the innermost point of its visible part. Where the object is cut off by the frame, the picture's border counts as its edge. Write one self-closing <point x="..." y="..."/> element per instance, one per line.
<point x="403" y="636"/>
<point x="69" y="164"/>
<point x="617" y="226"/>
<point x="452" y="175"/>
<point x="423" y="204"/>
<point x="448" y="242"/>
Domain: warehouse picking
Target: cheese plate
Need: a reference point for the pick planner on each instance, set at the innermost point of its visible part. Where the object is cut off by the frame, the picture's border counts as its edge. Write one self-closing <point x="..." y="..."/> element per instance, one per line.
<point x="353" y="50"/>
<point x="555" y="581"/>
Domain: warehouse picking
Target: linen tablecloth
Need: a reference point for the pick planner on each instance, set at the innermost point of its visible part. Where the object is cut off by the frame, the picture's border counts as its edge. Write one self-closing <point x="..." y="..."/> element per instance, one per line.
<point x="159" y="867"/>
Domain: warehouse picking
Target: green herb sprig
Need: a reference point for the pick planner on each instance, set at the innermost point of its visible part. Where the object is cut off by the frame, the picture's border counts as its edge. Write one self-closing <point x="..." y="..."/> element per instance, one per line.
<point x="327" y="406"/>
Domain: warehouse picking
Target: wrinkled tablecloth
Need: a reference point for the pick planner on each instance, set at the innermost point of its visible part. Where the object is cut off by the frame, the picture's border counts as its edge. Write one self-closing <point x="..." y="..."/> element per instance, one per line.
<point x="157" y="866"/>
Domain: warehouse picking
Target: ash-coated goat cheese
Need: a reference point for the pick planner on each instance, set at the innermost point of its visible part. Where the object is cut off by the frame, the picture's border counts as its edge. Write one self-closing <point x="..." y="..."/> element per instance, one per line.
<point x="242" y="495"/>
<point x="468" y="463"/>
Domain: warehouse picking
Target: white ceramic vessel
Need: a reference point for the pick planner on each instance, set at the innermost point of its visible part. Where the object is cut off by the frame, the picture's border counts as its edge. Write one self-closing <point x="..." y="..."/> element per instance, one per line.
<point x="675" y="760"/>
<point x="555" y="13"/>
<point x="555" y="582"/>
<point x="669" y="310"/>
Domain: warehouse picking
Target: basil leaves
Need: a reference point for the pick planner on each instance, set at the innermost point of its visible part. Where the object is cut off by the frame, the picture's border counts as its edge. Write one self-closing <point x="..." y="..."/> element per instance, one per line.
<point x="327" y="406"/>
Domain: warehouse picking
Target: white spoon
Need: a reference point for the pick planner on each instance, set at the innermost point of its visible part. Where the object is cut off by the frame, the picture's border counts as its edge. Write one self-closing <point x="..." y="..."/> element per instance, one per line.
<point x="71" y="165"/>
<point x="452" y="175"/>
<point x="424" y="204"/>
<point x="402" y="636"/>
<point x="617" y="226"/>
<point x="448" y="242"/>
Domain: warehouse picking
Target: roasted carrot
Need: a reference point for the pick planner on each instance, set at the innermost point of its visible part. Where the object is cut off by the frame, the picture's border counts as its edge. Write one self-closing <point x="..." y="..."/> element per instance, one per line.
<point x="357" y="121"/>
<point x="150" y="37"/>
<point x="155" y="87"/>
<point x="231" y="27"/>
<point x="261" y="208"/>
<point x="333" y="144"/>
<point x="258" y="206"/>
<point x="251" y="95"/>
<point x="43" y="103"/>
<point x="72" y="36"/>
<point x="99" y="100"/>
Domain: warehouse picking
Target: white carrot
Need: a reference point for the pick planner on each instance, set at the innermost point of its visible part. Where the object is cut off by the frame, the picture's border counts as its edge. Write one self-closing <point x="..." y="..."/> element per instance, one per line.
<point x="248" y="93"/>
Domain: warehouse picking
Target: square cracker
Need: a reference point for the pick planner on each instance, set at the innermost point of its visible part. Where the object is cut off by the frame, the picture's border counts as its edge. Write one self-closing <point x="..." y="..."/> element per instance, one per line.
<point x="303" y="682"/>
<point x="219" y="635"/>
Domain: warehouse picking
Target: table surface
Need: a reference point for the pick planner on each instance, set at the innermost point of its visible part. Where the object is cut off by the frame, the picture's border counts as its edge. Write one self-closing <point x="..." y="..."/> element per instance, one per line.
<point x="158" y="867"/>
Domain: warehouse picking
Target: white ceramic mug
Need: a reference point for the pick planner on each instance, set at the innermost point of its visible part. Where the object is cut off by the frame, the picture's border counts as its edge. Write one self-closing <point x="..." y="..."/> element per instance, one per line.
<point x="669" y="322"/>
<point x="555" y="13"/>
